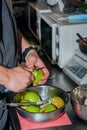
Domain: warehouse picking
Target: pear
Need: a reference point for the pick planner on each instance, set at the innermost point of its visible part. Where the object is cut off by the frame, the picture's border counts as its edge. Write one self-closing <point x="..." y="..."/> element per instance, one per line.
<point x="32" y="97"/>
<point x="32" y="108"/>
<point x="57" y="101"/>
<point x="47" y="108"/>
<point x="38" y="74"/>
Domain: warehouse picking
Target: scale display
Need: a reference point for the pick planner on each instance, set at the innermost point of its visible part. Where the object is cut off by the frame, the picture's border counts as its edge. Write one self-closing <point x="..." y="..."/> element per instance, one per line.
<point x="76" y="70"/>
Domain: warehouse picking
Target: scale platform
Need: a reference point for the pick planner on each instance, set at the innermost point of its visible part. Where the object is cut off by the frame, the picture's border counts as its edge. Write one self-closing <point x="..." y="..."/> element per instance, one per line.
<point x="76" y="68"/>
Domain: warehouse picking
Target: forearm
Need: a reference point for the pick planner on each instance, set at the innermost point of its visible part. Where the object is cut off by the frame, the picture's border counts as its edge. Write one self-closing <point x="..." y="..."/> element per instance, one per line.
<point x="22" y="42"/>
<point x="4" y="75"/>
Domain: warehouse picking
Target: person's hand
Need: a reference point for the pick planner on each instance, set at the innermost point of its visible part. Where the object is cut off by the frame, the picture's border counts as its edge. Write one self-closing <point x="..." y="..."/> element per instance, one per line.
<point x="34" y="61"/>
<point x="18" y="79"/>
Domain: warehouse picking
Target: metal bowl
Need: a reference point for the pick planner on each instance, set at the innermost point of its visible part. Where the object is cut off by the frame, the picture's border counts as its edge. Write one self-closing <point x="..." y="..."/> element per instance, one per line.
<point x="45" y="92"/>
<point x="77" y="98"/>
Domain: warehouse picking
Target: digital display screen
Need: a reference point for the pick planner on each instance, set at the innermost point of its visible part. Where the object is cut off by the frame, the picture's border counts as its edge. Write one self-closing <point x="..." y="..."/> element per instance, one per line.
<point x="46" y="38"/>
<point x="77" y="69"/>
<point x="74" y="66"/>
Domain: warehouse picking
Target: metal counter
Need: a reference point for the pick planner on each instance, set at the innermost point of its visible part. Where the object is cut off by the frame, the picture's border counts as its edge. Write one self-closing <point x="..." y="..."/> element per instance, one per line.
<point x="58" y="79"/>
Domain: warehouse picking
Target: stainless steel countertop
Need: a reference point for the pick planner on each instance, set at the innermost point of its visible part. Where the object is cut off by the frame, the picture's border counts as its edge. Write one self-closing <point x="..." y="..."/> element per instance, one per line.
<point x="58" y="79"/>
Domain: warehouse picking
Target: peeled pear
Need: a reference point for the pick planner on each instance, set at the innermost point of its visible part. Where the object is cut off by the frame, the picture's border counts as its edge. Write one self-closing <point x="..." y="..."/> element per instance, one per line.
<point x="38" y="74"/>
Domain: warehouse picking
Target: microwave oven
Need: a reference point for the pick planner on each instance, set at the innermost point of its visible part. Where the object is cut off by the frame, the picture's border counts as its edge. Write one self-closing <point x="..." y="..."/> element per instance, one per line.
<point x="34" y="11"/>
<point x="58" y="37"/>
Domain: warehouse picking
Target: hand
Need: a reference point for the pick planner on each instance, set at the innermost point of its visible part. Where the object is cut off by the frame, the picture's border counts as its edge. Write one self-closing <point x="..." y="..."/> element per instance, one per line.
<point x="19" y="78"/>
<point x="33" y="60"/>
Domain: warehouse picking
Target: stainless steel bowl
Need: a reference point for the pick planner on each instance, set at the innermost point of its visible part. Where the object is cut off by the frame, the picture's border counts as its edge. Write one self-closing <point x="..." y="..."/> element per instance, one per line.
<point x="45" y="92"/>
<point x="77" y="98"/>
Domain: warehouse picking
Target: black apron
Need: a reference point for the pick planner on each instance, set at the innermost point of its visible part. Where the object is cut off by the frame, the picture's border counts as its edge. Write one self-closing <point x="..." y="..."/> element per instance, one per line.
<point x="8" y="49"/>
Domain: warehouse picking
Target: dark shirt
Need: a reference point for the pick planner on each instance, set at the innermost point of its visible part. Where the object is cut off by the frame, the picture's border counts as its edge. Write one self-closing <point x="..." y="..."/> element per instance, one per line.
<point x="8" y="50"/>
<point x="8" y="38"/>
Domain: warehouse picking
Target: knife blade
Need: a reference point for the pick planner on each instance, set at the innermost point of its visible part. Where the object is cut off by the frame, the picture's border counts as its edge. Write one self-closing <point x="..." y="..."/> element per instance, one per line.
<point x="16" y="104"/>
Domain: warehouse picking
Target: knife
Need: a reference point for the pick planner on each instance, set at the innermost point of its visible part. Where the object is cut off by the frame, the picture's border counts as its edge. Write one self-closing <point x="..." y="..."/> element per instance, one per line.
<point x="16" y="104"/>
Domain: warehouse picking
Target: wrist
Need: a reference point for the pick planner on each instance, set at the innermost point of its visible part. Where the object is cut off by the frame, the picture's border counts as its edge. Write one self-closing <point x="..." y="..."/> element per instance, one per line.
<point x="31" y="53"/>
<point x="25" y="52"/>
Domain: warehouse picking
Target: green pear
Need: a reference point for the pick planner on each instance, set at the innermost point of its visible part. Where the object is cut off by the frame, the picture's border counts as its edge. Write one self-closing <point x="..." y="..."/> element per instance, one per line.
<point x="32" y="108"/>
<point x="32" y="97"/>
<point x="47" y="108"/>
<point x="38" y="74"/>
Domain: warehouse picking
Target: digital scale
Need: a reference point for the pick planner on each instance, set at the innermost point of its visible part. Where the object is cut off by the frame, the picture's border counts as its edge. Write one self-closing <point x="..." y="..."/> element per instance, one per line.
<point x="76" y="68"/>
